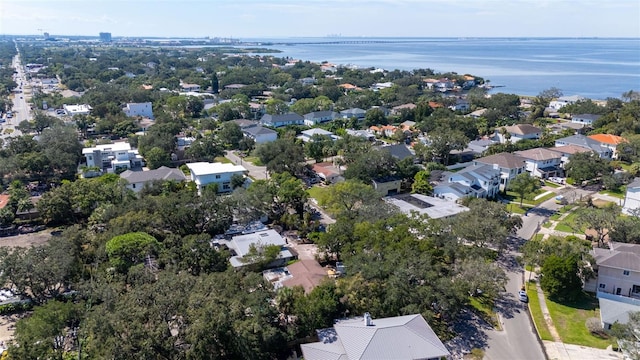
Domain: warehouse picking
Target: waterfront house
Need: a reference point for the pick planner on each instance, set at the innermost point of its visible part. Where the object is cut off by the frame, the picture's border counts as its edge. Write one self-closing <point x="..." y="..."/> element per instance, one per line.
<point x="563" y="101"/>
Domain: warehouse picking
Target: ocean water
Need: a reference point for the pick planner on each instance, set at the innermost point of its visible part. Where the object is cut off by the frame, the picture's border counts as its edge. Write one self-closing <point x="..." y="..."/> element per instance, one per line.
<point x="593" y="68"/>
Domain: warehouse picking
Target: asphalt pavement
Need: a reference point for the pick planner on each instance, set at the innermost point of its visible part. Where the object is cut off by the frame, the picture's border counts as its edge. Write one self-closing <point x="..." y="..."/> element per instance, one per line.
<point x="255" y="172"/>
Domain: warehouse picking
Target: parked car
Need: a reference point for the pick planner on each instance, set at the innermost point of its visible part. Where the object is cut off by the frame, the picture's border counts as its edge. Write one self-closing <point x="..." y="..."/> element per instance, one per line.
<point x="522" y="295"/>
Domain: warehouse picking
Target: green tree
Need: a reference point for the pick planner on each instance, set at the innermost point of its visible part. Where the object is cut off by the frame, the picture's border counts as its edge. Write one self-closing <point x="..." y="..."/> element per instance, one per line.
<point x="559" y="278"/>
<point x="156" y="157"/>
<point x="215" y="83"/>
<point x="524" y="184"/>
<point x="129" y="249"/>
<point x="230" y="135"/>
<point x="421" y="183"/>
<point x="586" y="166"/>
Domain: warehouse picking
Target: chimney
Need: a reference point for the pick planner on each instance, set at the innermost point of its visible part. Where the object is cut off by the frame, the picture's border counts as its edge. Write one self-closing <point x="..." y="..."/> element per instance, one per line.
<point x="367" y="319"/>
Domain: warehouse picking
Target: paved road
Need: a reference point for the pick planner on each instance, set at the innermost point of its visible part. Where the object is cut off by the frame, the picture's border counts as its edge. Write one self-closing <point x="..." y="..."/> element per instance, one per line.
<point x="518" y="340"/>
<point x="21" y="110"/>
<point x="256" y="172"/>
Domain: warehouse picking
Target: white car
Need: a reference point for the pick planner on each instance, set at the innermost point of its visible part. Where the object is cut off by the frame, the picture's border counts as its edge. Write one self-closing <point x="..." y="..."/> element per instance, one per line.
<point x="522" y="295"/>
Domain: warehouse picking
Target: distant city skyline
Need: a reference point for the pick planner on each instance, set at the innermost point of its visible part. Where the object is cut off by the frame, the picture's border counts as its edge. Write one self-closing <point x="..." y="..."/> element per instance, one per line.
<point x="316" y="18"/>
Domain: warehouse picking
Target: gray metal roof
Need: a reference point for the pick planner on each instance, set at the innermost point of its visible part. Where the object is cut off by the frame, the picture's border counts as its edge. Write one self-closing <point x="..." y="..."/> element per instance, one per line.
<point x="161" y="173"/>
<point x="504" y="160"/>
<point x="258" y="130"/>
<point x="612" y="311"/>
<point x="583" y="141"/>
<point x="321" y="114"/>
<point x="269" y="119"/>
<point x="398" y="151"/>
<point x="401" y="337"/>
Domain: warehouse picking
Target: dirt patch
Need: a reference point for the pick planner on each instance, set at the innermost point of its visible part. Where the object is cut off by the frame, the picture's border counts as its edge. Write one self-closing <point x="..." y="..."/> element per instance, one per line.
<point x="26" y="240"/>
<point x="8" y="326"/>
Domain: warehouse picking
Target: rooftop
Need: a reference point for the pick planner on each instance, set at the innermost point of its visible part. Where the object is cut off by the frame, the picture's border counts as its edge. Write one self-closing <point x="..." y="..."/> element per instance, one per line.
<point x="607" y="139"/>
<point x="433" y="207"/>
<point x="539" y="154"/>
<point x="161" y="173"/>
<point x="206" y="168"/>
<point x="504" y="160"/>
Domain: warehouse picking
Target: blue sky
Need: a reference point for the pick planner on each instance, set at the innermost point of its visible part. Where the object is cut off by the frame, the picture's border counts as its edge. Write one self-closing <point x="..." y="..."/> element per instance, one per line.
<point x="286" y="18"/>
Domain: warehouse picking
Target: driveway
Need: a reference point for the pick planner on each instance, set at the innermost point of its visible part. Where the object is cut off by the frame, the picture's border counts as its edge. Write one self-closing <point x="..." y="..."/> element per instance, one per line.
<point x="255" y="172"/>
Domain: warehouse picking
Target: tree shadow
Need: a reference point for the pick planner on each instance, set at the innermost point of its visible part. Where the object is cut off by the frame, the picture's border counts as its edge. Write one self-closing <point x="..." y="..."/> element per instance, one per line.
<point x="507" y="305"/>
<point x="470" y="329"/>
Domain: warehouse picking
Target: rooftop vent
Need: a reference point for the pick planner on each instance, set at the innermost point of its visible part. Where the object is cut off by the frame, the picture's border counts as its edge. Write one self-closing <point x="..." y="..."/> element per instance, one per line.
<point x="367" y="319"/>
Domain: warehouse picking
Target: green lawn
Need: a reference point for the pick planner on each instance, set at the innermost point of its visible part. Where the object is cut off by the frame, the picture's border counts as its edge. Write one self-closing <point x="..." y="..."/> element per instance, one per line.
<point x="619" y="193"/>
<point x="568" y="224"/>
<point x="254" y="160"/>
<point x="569" y="320"/>
<point x="223" y="160"/>
<point x="528" y="199"/>
<point x="536" y="313"/>
<point x="318" y="192"/>
<point x="551" y="184"/>
<point x="483" y="307"/>
<point x="538" y="237"/>
<point x="516" y="209"/>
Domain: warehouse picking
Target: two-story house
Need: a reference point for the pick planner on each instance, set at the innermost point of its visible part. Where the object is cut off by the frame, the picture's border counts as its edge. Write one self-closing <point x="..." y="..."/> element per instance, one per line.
<point x="563" y="101"/>
<point x="610" y="141"/>
<point x="139" y="109"/>
<point x="510" y="166"/>
<point x="353" y="113"/>
<point x="516" y="133"/>
<point x="318" y="117"/>
<point x="542" y="163"/>
<point x="205" y="173"/>
<point x="280" y="120"/>
<point x="632" y="198"/>
<point x="112" y="157"/>
<point x="260" y="134"/>
<point x="566" y="151"/>
<point x="482" y="181"/>
<point x="307" y="135"/>
<point x="617" y="270"/>
<point x="586" y="142"/>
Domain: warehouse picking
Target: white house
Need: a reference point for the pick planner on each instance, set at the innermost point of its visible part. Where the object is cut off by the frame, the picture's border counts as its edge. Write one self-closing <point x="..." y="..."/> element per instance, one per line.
<point x="588" y="143"/>
<point x="585" y="119"/>
<point x="189" y="87"/>
<point x="516" y="133"/>
<point x="307" y="135"/>
<point x="460" y="105"/>
<point x="260" y="134"/>
<point x="564" y="101"/>
<point x="617" y="270"/>
<point x="632" y="198"/>
<point x="510" y="166"/>
<point x="113" y="157"/>
<point x="242" y="245"/>
<point x="136" y="180"/>
<point x="82" y="109"/>
<point x="205" y="173"/>
<point x="542" y="163"/>
<point x="139" y="109"/>
<point x="400" y="337"/>
<point x="475" y="180"/>
<point x="317" y="117"/>
<point x="280" y="120"/>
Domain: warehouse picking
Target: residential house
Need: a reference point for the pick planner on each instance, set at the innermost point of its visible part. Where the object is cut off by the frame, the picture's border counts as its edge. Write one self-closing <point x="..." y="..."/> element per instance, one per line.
<point x="563" y="101"/>
<point x="478" y="147"/>
<point x="610" y="141"/>
<point x="587" y="143"/>
<point x="361" y="133"/>
<point x="617" y="270"/>
<point x="234" y="86"/>
<point x="307" y="81"/>
<point x="281" y="120"/>
<point x="189" y="87"/>
<point x="401" y="337"/>
<point x="561" y="126"/>
<point x="566" y="151"/>
<point x="469" y="82"/>
<point x="243" y="123"/>
<point x="398" y="151"/>
<point x="510" y="165"/>
<point x="397" y="110"/>
<point x="385" y="111"/>
<point x="516" y="133"/>
<point x="328" y="172"/>
<point x="205" y="173"/>
<point x="388" y="185"/>
<point x="318" y="117"/>
<point x="353" y="113"/>
<point x="307" y="135"/>
<point x="585" y="119"/>
<point x="112" y="157"/>
<point x="542" y="163"/>
<point x="460" y="105"/>
<point x="632" y="198"/>
<point x="477" y="114"/>
<point x="136" y="180"/>
<point x="242" y="246"/>
<point x="260" y="134"/>
<point x="380" y="86"/>
<point x="616" y="309"/>
<point x="385" y="130"/>
<point x="433" y="207"/>
<point x="481" y="181"/>
<point x="349" y="87"/>
<point x="257" y="110"/>
<point x="139" y="109"/>
<point x="82" y="109"/>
